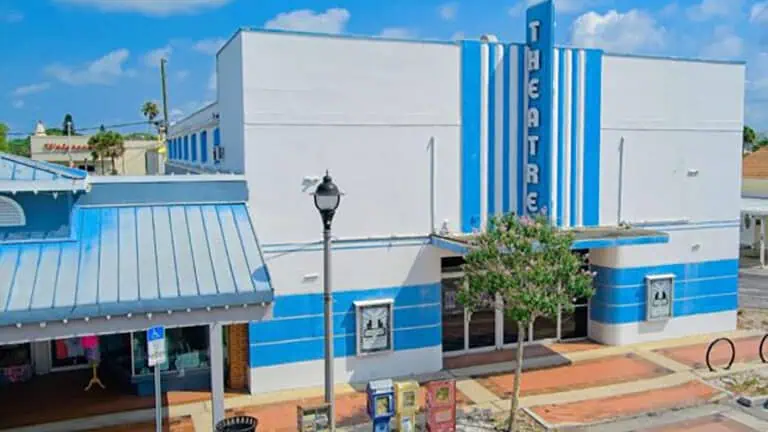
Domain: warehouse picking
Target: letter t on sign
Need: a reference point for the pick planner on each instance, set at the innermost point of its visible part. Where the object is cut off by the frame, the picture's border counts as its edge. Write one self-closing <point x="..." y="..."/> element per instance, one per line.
<point x="534" y="27"/>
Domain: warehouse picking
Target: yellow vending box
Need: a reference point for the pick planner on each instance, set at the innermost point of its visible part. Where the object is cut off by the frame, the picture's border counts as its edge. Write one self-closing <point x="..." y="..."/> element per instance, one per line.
<point x="406" y="405"/>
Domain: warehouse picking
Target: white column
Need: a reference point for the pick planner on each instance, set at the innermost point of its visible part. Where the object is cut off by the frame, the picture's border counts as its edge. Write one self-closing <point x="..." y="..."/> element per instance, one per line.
<point x="762" y="241"/>
<point x="216" y="347"/>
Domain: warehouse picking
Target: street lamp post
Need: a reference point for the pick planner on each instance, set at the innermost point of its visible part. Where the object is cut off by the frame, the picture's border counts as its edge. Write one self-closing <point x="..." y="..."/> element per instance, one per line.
<point x="327" y="199"/>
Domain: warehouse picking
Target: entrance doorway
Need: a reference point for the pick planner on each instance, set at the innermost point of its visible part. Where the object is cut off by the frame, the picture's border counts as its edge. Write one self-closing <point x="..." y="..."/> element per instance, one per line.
<point x="487" y="329"/>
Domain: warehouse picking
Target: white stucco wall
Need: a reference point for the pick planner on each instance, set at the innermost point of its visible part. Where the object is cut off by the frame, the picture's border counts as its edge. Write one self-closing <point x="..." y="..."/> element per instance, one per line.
<point x="681" y="124"/>
<point x="368" y="116"/>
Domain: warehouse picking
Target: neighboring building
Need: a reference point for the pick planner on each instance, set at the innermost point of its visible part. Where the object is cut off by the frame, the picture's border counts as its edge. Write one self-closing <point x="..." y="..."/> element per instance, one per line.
<point x="89" y="263"/>
<point x="427" y="137"/>
<point x="754" y="207"/>
<point x="72" y="151"/>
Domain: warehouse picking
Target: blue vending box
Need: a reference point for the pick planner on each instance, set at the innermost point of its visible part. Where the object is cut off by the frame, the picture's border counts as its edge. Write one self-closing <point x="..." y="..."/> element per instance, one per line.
<point x="381" y="403"/>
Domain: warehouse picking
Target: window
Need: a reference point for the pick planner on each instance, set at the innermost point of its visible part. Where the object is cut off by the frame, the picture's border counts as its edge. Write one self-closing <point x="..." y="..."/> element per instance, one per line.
<point x="194" y="147"/>
<point x="187" y="348"/>
<point x="374" y="326"/>
<point x="216" y="137"/>
<point x="11" y="213"/>
<point x="204" y="146"/>
<point x="186" y="147"/>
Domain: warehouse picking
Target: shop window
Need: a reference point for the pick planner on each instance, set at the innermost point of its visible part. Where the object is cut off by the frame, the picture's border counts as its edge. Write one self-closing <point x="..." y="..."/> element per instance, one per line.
<point x="186" y="147"/>
<point x="68" y="353"/>
<point x="453" y="315"/>
<point x="204" y="146"/>
<point x="15" y="363"/>
<point x="187" y="348"/>
<point x="193" y="147"/>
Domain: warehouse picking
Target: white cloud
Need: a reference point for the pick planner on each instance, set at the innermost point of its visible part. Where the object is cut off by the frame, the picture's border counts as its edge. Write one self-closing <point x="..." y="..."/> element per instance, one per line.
<point x="448" y="11"/>
<point x="759" y="13"/>
<point x="458" y="35"/>
<point x="709" y="9"/>
<point x="616" y="31"/>
<point x="725" y="44"/>
<point x="31" y="89"/>
<point x="331" y="21"/>
<point x="18" y="104"/>
<point x="182" y="74"/>
<point x="397" y="33"/>
<point x="105" y="70"/>
<point x="209" y="46"/>
<point x="152" y="58"/>
<point x="150" y="7"/>
<point x="670" y="10"/>
<point x="12" y="17"/>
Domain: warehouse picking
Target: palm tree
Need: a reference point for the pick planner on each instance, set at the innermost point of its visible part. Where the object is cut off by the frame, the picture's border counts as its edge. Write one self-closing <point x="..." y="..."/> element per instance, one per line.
<point x="150" y="110"/>
<point x="107" y="144"/>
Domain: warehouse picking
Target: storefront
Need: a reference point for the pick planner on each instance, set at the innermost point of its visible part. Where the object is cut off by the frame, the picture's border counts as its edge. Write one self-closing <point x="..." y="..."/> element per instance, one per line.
<point x="150" y="251"/>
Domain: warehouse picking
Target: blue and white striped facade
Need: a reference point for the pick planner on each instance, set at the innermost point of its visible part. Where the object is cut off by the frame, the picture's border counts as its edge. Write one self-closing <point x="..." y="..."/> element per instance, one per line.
<point x="494" y="148"/>
<point x="430" y="136"/>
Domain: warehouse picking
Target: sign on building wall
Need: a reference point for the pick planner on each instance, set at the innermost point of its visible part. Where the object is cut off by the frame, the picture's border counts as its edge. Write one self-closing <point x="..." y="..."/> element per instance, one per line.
<point x="538" y="113"/>
<point x="660" y="290"/>
<point x="374" y="326"/>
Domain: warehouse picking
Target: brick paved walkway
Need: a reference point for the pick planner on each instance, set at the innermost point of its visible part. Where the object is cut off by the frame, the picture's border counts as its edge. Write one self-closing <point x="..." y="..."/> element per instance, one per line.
<point x="715" y="423"/>
<point x="596" y="410"/>
<point x="178" y="424"/>
<point x="694" y="355"/>
<point x="591" y="373"/>
<point x="350" y="411"/>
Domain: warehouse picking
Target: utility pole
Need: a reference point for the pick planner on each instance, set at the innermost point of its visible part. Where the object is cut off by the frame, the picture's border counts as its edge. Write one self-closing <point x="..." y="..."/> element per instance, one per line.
<point x="165" y="114"/>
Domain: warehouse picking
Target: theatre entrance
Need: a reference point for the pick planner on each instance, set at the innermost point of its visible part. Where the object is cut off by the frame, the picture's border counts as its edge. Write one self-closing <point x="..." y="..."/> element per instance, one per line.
<point x="487" y="329"/>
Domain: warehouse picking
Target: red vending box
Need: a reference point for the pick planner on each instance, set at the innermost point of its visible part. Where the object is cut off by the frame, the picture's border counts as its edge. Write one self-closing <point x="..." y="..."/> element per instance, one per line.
<point x="441" y="406"/>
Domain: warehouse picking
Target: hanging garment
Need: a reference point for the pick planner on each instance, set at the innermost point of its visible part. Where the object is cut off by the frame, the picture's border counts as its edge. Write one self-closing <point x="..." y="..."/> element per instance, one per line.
<point x="90" y="342"/>
<point x="74" y="347"/>
<point x="61" y="350"/>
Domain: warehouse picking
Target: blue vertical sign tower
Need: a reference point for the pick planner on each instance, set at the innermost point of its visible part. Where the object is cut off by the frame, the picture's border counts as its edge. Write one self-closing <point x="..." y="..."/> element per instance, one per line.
<point x="539" y="91"/>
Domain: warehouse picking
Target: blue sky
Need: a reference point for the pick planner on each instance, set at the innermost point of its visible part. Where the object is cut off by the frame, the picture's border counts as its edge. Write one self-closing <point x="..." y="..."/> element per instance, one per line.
<point x="98" y="59"/>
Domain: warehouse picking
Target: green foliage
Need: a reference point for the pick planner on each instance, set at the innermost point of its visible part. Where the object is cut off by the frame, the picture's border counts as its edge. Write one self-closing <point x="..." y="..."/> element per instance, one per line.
<point x="19" y="146"/>
<point x="3" y="136"/>
<point x="150" y="110"/>
<point x="750" y="136"/>
<point x="146" y="136"/>
<point x="529" y="264"/>
<point x="106" y="145"/>
<point x="54" y="132"/>
<point x="68" y="125"/>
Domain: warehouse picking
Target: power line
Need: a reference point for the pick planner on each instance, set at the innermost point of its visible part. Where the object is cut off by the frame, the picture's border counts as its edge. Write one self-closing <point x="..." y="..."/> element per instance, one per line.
<point x="112" y="126"/>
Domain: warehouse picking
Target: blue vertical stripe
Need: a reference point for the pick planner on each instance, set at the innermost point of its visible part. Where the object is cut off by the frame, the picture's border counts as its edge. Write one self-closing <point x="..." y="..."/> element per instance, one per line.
<point x="575" y="95"/>
<point x="470" y="135"/>
<point x="560" y="135"/>
<point x="507" y="140"/>
<point x="492" y="128"/>
<point x="592" y="114"/>
<point x="520" y="128"/>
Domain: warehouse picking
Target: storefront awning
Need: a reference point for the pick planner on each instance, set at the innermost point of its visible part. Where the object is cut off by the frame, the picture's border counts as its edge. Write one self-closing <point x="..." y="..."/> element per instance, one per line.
<point x="132" y="267"/>
<point x="585" y="238"/>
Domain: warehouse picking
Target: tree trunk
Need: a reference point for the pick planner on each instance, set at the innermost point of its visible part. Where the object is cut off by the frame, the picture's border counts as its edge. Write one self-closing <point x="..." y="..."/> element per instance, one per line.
<point x="521" y="329"/>
<point x="103" y="172"/>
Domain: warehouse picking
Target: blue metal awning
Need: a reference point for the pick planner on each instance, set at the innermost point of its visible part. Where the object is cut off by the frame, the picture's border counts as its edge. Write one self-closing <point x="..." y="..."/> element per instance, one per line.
<point x="18" y="174"/>
<point x="136" y="259"/>
<point x="585" y="238"/>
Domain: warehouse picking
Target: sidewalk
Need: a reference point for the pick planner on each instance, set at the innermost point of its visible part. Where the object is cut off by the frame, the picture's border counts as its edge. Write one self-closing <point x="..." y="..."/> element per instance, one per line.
<point x="570" y="386"/>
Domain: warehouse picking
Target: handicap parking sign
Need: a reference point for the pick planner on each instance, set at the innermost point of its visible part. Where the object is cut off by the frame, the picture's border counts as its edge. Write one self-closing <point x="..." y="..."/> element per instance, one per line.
<point x="156" y="346"/>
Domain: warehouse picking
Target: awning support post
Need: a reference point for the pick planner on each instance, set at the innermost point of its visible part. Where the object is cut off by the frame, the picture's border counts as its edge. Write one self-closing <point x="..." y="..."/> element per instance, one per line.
<point x="216" y="346"/>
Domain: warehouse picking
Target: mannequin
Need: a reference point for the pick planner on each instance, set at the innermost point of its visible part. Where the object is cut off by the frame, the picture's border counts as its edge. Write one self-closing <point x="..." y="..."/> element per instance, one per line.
<point x="91" y="346"/>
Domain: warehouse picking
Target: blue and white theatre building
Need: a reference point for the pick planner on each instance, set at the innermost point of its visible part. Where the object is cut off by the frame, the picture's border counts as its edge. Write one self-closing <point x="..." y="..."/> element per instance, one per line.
<point x="639" y="156"/>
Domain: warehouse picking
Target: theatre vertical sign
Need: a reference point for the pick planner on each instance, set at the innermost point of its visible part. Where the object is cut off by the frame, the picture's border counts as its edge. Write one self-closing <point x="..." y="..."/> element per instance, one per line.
<point x="539" y="98"/>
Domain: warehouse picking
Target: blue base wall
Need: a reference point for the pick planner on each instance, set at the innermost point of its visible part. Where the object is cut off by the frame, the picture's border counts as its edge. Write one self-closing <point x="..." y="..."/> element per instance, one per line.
<point x="296" y="331"/>
<point x="700" y="288"/>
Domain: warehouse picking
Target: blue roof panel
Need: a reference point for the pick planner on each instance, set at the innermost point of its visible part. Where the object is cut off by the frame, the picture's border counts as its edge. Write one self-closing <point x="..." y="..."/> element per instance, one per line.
<point x="136" y="259"/>
<point x="20" y="168"/>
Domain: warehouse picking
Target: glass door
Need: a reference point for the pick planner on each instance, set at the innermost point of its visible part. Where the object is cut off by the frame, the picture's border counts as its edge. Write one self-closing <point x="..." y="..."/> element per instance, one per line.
<point x="452" y="315"/>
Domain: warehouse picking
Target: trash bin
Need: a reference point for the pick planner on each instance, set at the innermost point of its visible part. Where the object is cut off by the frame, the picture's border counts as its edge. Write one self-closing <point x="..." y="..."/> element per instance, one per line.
<point x="237" y="424"/>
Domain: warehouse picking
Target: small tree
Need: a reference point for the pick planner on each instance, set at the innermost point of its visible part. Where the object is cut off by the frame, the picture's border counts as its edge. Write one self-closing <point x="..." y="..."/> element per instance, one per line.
<point x="68" y="125"/>
<point x="529" y="265"/>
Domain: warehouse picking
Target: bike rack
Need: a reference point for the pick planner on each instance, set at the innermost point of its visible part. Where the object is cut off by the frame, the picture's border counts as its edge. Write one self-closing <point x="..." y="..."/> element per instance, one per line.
<point x="762" y="343"/>
<point x="733" y="351"/>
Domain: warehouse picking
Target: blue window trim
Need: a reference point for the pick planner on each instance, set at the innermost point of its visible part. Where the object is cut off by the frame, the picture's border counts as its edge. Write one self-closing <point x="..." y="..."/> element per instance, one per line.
<point x="193" y="147"/>
<point x="204" y="146"/>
